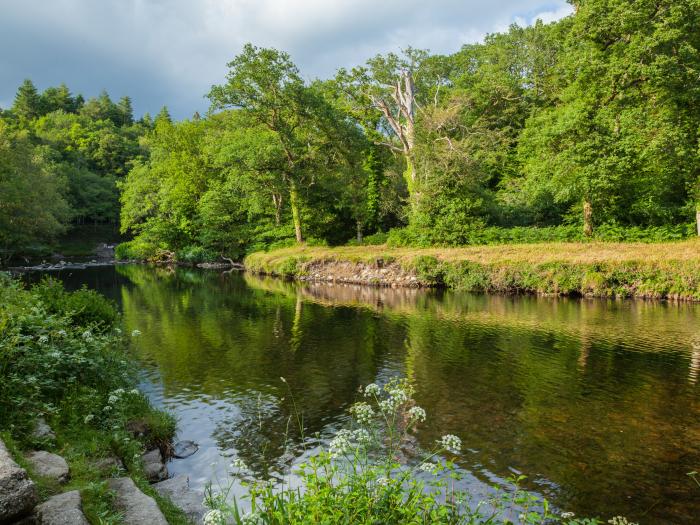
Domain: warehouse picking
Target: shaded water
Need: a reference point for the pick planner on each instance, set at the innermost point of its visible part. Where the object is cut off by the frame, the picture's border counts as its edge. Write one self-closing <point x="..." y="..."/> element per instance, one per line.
<point x="596" y="401"/>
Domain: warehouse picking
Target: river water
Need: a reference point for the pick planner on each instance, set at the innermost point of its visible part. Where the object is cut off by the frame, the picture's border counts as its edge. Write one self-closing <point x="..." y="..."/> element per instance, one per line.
<point x="597" y="402"/>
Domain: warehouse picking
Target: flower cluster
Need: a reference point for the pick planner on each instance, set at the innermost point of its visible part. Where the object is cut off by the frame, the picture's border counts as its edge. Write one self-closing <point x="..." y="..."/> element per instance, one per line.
<point x="450" y="443"/>
<point x="214" y="517"/>
<point x="372" y="390"/>
<point x="417" y="414"/>
<point x="239" y="464"/>
<point x="363" y="412"/>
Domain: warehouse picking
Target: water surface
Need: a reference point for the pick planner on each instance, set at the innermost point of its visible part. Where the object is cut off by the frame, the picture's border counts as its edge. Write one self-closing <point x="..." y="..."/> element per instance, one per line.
<point x="596" y="401"/>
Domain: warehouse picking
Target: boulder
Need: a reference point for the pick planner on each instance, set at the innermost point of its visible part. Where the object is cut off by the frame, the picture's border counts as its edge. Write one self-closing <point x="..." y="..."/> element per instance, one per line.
<point x="135" y="506"/>
<point x="18" y="494"/>
<point x="42" y="431"/>
<point x="62" y="509"/>
<point x="153" y="466"/>
<point x="184" y="449"/>
<point x="188" y="500"/>
<point x="108" y="464"/>
<point x="49" y="465"/>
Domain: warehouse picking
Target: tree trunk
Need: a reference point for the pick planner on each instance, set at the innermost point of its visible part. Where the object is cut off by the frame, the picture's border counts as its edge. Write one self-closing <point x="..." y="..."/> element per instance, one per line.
<point x="296" y="216"/>
<point x="697" y="218"/>
<point x="277" y="201"/>
<point x="587" y="218"/>
<point x="359" y="231"/>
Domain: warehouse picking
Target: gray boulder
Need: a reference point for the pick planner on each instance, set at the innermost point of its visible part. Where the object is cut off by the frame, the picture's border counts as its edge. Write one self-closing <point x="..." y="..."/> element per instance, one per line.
<point x="49" y="465"/>
<point x="135" y="506"/>
<point x="62" y="509"/>
<point x="153" y="466"/>
<point x="188" y="500"/>
<point x="18" y="494"/>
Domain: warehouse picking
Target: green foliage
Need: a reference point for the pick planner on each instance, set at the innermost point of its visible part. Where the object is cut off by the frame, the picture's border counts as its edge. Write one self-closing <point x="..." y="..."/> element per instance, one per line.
<point x="417" y="237"/>
<point x="83" y="307"/>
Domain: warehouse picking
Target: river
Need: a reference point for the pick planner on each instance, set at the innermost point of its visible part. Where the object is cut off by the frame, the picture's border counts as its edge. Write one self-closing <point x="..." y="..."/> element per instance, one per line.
<point x="596" y="401"/>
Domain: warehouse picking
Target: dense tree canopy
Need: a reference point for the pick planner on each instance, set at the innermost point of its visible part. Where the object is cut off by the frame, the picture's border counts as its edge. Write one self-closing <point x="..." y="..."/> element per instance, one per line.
<point x="585" y="124"/>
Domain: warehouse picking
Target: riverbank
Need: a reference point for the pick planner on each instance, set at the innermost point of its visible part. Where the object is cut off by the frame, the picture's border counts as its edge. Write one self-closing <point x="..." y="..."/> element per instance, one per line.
<point x="651" y="271"/>
<point x="78" y="442"/>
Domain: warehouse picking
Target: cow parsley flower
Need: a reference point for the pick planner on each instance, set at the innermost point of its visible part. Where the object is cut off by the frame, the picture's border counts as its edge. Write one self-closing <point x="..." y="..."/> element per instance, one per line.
<point x="372" y="390"/>
<point x="340" y="444"/>
<point x="239" y="464"/>
<point x="450" y="442"/>
<point x="567" y="515"/>
<point x="214" y="517"/>
<point x="135" y="333"/>
<point x="363" y="412"/>
<point x="88" y="418"/>
<point x="417" y="414"/>
<point x="362" y="436"/>
<point x="87" y="335"/>
<point x="428" y="467"/>
<point x="112" y="399"/>
<point x="43" y="339"/>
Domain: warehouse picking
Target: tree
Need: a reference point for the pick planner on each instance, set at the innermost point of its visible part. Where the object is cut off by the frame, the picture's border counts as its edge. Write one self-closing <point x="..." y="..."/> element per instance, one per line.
<point x="33" y="209"/>
<point x="27" y="105"/>
<point x="58" y="98"/>
<point x="127" y="112"/>
<point x="292" y="125"/>
<point x="618" y="144"/>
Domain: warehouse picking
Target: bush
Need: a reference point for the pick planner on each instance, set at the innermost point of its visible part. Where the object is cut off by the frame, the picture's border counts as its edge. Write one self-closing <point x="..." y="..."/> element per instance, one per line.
<point x="84" y="307"/>
<point x="420" y="238"/>
<point x="196" y="254"/>
<point x="136" y="250"/>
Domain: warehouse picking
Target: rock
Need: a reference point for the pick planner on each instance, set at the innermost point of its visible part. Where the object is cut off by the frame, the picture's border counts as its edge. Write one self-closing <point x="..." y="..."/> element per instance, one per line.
<point x="62" y="509"/>
<point x="136" y="507"/>
<point x="49" y="465"/>
<point x="108" y="464"/>
<point x="153" y="467"/>
<point x="42" y="431"/>
<point x="18" y="494"/>
<point x="188" y="500"/>
<point x="184" y="449"/>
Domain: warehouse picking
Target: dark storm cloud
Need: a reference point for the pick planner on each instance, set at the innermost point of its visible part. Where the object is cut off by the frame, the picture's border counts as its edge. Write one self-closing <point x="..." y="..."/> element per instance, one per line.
<point x="171" y="52"/>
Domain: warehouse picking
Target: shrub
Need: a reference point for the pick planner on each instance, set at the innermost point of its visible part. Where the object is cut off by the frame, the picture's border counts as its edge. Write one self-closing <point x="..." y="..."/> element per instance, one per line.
<point x="136" y="250"/>
<point x="195" y="254"/>
<point x="84" y="307"/>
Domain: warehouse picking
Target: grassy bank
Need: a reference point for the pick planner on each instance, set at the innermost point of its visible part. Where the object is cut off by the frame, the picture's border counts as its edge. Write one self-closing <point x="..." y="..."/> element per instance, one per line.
<point x="663" y="270"/>
<point x="64" y="359"/>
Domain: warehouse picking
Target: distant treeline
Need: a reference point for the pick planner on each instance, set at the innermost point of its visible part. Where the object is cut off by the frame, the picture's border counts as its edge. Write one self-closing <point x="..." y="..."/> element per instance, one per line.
<point x="590" y="123"/>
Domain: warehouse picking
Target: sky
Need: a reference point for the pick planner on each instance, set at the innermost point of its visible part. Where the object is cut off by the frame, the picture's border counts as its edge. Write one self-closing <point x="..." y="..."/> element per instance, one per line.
<point x="170" y="52"/>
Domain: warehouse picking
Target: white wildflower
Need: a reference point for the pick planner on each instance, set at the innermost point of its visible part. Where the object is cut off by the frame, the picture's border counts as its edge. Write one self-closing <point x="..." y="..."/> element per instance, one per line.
<point x="372" y="390"/>
<point x="340" y="444"/>
<point x="450" y="442"/>
<point x="117" y="331"/>
<point x="43" y="339"/>
<point x="112" y="400"/>
<point x="87" y="335"/>
<point x="363" y="412"/>
<point x="107" y="408"/>
<point x="398" y="395"/>
<point x="214" y="517"/>
<point x="239" y="464"/>
<point x="387" y="405"/>
<point x="88" y="418"/>
<point x="62" y="333"/>
<point x="428" y="467"/>
<point x="134" y="392"/>
<point x="118" y="392"/>
<point x="567" y="515"/>
<point x="417" y="414"/>
<point x="361" y="436"/>
<point x="620" y="520"/>
<point x="135" y="333"/>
